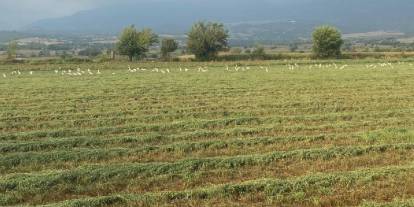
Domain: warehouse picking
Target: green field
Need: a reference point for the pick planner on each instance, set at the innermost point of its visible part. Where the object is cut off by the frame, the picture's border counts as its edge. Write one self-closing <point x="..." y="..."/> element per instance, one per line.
<point x="274" y="133"/>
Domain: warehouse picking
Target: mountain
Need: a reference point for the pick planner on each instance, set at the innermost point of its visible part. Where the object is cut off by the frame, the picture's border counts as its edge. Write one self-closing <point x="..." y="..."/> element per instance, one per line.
<point x="260" y="19"/>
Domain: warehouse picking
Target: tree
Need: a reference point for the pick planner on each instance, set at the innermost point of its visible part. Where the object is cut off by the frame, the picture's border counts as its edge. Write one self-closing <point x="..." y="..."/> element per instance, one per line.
<point x="168" y="45"/>
<point x="205" y="40"/>
<point x="327" y="42"/>
<point x="258" y="53"/>
<point x="12" y="50"/>
<point x="135" y="43"/>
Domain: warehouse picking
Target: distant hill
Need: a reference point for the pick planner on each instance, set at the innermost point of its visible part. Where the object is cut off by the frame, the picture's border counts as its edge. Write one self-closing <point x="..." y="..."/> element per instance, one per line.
<point x="6" y="36"/>
<point x="259" y="19"/>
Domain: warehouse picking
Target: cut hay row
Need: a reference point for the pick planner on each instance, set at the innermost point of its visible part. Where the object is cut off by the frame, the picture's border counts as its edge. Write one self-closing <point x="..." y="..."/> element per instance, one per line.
<point x="269" y="191"/>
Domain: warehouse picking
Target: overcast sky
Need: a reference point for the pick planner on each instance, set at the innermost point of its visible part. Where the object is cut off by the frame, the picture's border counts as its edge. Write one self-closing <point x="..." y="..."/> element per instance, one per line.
<point x="17" y="13"/>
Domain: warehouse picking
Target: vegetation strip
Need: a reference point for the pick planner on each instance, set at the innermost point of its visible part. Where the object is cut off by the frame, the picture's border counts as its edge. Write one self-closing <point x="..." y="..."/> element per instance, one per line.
<point x="92" y="174"/>
<point x="270" y="187"/>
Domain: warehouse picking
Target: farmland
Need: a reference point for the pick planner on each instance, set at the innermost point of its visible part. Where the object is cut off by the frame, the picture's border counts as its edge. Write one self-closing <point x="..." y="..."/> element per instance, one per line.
<point x="276" y="133"/>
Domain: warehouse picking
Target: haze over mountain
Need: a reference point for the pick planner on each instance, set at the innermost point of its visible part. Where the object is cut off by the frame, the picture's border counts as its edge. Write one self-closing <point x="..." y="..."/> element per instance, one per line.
<point x="262" y="19"/>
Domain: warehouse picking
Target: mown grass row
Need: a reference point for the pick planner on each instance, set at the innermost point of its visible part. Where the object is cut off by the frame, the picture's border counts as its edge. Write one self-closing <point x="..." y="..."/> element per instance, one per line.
<point x="171" y="116"/>
<point x="387" y="136"/>
<point x="219" y="119"/>
<point x="301" y="106"/>
<point x="15" y="161"/>
<point x="307" y="190"/>
<point x="83" y="179"/>
<point x="76" y="151"/>
<point x="235" y="129"/>
<point x="25" y="124"/>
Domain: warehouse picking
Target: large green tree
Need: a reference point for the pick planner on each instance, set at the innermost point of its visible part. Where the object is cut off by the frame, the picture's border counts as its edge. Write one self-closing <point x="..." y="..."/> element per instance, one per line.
<point x="168" y="45"/>
<point x="134" y="43"/>
<point x="205" y="40"/>
<point x="327" y="42"/>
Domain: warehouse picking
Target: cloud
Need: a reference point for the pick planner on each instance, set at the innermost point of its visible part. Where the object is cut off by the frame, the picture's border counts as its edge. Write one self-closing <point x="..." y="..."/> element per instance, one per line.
<point x="17" y="13"/>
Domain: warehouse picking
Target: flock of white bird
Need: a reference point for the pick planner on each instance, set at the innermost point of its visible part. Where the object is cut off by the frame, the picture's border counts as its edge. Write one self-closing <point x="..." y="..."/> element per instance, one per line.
<point x="79" y="72"/>
<point x="342" y="67"/>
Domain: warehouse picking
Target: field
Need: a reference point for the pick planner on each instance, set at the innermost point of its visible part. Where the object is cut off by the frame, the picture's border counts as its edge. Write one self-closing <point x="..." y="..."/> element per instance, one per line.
<point x="272" y="133"/>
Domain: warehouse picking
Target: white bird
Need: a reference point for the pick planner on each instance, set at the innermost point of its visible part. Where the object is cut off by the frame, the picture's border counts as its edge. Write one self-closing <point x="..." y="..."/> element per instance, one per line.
<point x="99" y="72"/>
<point x="4" y="75"/>
<point x="18" y="72"/>
<point x="168" y="70"/>
<point x="267" y="69"/>
<point x="343" y="67"/>
<point x="56" y="71"/>
<point x="31" y="72"/>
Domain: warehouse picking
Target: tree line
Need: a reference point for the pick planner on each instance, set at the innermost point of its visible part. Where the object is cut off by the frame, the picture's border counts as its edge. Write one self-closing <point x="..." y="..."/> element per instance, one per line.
<point x="206" y="39"/>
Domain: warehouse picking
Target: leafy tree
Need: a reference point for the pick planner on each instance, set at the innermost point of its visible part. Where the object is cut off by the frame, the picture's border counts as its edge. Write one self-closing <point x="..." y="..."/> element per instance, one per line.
<point x="258" y="53"/>
<point x="135" y="43"/>
<point x="12" y="50"/>
<point x="168" y="45"/>
<point x="205" y="40"/>
<point x="327" y="42"/>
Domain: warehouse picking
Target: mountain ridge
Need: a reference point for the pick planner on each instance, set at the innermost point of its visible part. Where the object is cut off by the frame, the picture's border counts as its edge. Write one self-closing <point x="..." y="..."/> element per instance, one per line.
<point x="300" y="16"/>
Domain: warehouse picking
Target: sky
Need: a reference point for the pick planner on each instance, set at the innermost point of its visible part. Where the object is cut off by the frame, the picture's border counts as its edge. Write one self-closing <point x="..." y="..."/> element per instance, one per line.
<point x="18" y="13"/>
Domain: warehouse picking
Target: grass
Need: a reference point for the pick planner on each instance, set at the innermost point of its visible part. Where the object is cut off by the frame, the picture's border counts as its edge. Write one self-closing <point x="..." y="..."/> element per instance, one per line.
<point x="304" y="134"/>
